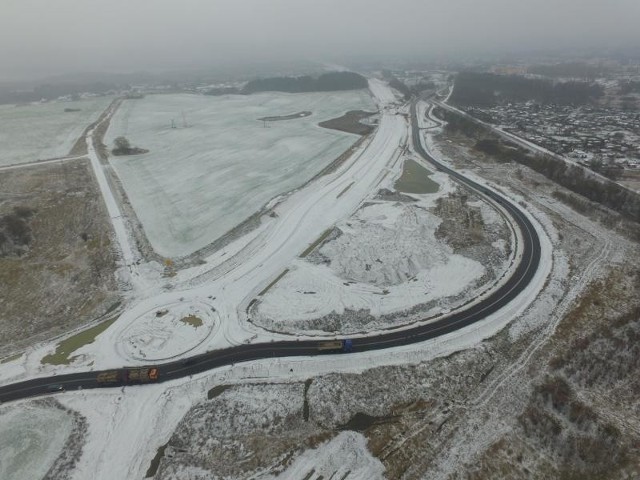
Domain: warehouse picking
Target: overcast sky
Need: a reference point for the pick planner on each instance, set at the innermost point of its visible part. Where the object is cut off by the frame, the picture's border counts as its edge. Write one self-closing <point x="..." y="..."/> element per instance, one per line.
<point x="39" y="37"/>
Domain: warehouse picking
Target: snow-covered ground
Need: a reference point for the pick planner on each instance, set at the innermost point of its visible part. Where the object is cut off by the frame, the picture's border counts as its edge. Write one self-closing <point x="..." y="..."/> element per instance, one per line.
<point x="130" y="423"/>
<point x="301" y="217"/>
<point x="44" y="130"/>
<point x="200" y="180"/>
<point x="163" y="334"/>
<point x="32" y="438"/>
<point x="385" y="259"/>
<point x="231" y="278"/>
<point x="345" y="455"/>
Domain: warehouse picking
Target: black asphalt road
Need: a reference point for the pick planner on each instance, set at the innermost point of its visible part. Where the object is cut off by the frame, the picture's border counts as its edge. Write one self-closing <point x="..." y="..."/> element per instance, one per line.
<point x="521" y="277"/>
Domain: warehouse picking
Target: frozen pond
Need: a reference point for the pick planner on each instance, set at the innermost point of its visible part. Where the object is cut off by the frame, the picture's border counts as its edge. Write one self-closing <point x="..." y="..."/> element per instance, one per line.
<point x="200" y="180"/>
<point x="40" y="131"/>
<point x="32" y="439"/>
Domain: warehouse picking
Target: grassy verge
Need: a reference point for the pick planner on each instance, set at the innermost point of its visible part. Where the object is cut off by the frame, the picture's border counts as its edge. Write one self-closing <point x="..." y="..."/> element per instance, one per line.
<point x="65" y="348"/>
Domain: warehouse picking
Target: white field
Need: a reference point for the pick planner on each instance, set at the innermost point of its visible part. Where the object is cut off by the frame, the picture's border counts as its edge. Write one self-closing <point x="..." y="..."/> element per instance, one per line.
<point x="32" y="439"/>
<point x="344" y="456"/>
<point x="197" y="183"/>
<point x="387" y="260"/>
<point x="44" y="130"/>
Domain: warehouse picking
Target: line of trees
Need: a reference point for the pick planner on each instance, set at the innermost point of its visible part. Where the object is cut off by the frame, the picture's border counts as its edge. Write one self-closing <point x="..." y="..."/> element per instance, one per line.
<point x="10" y="95"/>
<point x="487" y="89"/>
<point x="570" y="69"/>
<point x="327" y="82"/>
<point x="123" y="147"/>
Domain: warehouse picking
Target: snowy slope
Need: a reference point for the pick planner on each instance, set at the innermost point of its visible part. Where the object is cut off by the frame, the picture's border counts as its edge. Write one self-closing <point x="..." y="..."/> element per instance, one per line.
<point x="345" y="455"/>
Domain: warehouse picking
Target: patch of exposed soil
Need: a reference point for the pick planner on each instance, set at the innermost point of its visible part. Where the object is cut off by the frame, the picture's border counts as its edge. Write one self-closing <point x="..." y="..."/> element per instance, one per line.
<point x="389" y="196"/>
<point x="57" y="271"/>
<point x="462" y="225"/>
<point x="292" y="116"/>
<point x="350" y="122"/>
<point x="118" y="152"/>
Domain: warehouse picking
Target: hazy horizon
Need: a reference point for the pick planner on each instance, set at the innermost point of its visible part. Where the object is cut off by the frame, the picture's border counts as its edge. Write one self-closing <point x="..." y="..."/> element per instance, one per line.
<point x="41" y="38"/>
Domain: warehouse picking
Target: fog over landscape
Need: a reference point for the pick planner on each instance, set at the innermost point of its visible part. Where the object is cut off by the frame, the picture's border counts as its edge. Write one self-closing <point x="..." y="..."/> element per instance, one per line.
<point x="42" y="37"/>
<point x="319" y="239"/>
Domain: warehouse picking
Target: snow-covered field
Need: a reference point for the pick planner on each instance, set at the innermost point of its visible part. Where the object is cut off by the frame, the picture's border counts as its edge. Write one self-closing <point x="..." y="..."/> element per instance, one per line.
<point x="200" y="180"/>
<point x="44" y="130"/>
<point x="32" y="438"/>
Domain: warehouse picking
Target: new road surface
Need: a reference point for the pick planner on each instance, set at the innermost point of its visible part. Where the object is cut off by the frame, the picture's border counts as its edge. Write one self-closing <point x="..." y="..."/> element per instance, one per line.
<point x="508" y="291"/>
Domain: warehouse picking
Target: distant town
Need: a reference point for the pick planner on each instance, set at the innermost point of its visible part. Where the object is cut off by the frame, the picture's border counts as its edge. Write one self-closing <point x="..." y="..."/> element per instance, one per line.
<point x="585" y="133"/>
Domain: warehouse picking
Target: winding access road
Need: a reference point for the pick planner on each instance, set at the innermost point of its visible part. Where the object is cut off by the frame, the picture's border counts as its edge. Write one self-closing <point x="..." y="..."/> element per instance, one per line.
<point x="508" y="291"/>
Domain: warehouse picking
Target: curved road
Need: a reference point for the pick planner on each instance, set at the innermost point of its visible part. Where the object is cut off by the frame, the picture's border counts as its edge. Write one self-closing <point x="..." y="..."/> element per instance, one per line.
<point x="521" y="277"/>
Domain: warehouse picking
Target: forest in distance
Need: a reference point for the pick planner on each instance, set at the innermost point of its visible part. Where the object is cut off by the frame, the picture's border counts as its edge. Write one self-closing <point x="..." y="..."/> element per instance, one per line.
<point x="488" y="89"/>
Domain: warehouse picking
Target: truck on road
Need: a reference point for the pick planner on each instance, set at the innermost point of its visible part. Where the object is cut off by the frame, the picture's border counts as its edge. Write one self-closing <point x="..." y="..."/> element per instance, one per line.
<point x="127" y="376"/>
<point x="140" y="375"/>
<point x="344" y="346"/>
<point x="109" y="377"/>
